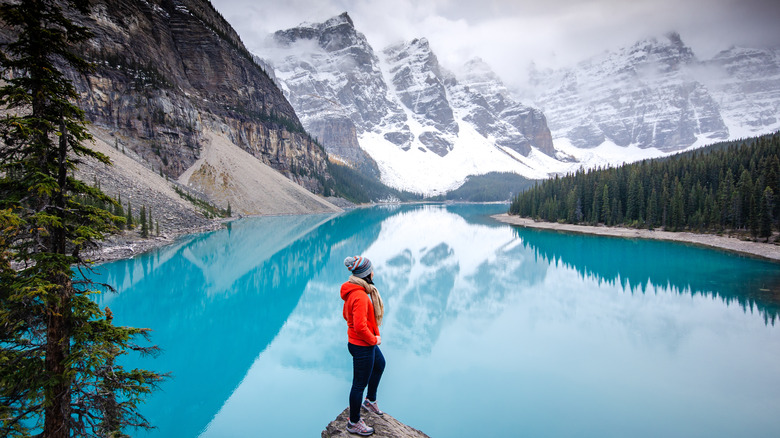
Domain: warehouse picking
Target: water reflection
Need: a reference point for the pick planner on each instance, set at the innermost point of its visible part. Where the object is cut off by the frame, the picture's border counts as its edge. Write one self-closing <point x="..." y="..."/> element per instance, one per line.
<point x="250" y="321"/>
<point x="635" y="264"/>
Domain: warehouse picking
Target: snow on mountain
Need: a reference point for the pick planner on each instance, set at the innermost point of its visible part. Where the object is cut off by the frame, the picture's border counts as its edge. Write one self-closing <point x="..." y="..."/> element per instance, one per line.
<point x="330" y="75"/>
<point x="400" y="115"/>
<point x="746" y="85"/>
<point x="424" y="130"/>
<point x="646" y="95"/>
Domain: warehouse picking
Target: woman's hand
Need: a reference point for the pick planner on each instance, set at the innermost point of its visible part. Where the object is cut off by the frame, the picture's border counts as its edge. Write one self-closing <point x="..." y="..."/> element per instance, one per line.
<point x="378" y="340"/>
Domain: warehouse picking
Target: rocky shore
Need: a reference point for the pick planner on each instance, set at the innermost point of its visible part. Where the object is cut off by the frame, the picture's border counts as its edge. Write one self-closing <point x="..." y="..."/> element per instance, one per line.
<point x="768" y="251"/>
<point x="384" y="426"/>
<point x="129" y="244"/>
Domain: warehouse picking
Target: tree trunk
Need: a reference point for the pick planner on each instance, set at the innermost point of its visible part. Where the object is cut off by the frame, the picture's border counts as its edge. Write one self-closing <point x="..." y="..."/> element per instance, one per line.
<point x="57" y="412"/>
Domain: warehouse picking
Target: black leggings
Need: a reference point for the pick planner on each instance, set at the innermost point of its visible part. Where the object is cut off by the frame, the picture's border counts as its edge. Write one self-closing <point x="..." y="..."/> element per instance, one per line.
<point x="367" y="366"/>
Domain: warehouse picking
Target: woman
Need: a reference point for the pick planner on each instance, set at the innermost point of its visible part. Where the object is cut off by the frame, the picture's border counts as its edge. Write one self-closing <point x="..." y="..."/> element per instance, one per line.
<point x="363" y="310"/>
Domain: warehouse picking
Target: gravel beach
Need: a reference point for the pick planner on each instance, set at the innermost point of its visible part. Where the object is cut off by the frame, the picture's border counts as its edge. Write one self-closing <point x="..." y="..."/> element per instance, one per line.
<point x="767" y="251"/>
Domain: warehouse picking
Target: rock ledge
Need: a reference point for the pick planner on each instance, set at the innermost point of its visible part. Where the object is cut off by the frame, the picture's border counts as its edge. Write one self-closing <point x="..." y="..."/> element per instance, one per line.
<point x="384" y="426"/>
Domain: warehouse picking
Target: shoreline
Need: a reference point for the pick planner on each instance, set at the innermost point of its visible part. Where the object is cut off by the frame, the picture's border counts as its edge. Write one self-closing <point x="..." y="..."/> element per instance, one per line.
<point x="129" y="244"/>
<point x="765" y="251"/>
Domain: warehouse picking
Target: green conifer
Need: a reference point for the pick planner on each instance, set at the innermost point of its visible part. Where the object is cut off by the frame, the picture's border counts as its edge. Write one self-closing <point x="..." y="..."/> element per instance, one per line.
<point x="58" y="350"/>
<point x="144" y="229"/>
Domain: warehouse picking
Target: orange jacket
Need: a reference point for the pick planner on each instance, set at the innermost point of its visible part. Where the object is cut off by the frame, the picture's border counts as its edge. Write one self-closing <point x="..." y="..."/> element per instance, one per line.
<point x="359" y="313"/>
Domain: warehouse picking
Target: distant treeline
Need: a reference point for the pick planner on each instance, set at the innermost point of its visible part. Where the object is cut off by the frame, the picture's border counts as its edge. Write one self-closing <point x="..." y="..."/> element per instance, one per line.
<point x="727" y="186"/>
<point x="350" y="184"/>
<point x="491" y="187"/>
<point x="358" y="187"/>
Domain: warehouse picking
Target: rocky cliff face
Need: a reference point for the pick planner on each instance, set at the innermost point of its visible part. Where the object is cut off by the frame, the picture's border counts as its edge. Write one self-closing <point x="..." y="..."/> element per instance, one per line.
<point x="745" y="83"/>
<point x="331" y="76"/>
<point x="418" y="81"/>
<point x="645" y="95"/>
<point x="167" y="70"/>
<point x="385" y="110"/>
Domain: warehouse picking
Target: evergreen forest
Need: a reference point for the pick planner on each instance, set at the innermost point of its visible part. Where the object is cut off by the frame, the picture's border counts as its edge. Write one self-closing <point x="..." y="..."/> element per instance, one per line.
<point x="726" y="187"/>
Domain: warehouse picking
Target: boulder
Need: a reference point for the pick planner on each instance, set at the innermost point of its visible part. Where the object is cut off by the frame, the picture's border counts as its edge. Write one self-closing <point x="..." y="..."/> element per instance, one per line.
<point x="384" y="426"/>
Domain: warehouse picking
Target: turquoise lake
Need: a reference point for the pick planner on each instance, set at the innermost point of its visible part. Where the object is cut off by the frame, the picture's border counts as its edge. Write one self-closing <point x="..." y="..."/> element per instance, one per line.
<point x="489" y="329"/>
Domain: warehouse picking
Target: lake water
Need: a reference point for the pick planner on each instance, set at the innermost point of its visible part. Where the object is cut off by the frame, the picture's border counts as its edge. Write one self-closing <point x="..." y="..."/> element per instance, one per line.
<point x="488" y="330"/>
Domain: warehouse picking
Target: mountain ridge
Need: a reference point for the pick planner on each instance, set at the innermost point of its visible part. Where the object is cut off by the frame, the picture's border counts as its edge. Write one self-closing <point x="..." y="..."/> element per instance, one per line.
<point x="169" y="77"/>
<point x="646" y="100"/>
<point x="398" y="105"/>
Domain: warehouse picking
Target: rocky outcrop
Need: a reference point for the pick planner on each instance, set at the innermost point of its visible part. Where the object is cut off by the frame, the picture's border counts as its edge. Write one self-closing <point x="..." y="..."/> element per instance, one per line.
<point x="166" y="70"/>
<point x="384" y="426"/>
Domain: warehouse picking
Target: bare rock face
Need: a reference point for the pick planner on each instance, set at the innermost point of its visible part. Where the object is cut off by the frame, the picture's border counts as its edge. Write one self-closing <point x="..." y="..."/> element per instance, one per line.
<point x="167" y="70"/>
<point x="384" y="426"/>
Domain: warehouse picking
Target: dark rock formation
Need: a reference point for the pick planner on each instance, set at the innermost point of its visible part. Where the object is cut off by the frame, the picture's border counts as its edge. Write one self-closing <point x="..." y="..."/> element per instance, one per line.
<point x="169" y="69"/>
<point x="384" y="426"/>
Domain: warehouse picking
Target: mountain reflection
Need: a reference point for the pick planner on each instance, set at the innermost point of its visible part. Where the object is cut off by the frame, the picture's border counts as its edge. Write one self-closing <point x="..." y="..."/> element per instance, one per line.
<point x="635" y="264"/>
<point x="217" y="300"/>
<point x="240" y="304"/>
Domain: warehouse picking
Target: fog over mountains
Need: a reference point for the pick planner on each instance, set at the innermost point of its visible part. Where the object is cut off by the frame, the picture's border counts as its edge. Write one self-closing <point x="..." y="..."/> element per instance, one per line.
<point x="399" y="114"/>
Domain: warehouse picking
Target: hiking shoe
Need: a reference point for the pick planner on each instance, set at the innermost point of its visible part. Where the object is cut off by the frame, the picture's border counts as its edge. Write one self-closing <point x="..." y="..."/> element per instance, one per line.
<point x="372" y="407"/>
<point x="359" y="428"/>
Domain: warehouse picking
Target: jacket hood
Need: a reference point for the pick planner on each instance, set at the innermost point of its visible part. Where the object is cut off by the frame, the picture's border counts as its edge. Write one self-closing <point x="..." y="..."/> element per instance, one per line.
<point x="347" y="288"/>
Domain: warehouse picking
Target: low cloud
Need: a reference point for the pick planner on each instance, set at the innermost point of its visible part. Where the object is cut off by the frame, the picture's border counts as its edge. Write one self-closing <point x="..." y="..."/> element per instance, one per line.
<point x="509" y="35"/>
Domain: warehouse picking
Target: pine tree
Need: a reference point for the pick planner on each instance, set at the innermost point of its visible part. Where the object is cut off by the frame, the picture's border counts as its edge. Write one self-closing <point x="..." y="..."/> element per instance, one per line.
<point x="56" y="346"/>
<point x="765" y="213"/>
<point x="144" y="229"/>
<point x="129" y="217"/>
<point x="606" y="214"/>
<point x="652" y="210"/>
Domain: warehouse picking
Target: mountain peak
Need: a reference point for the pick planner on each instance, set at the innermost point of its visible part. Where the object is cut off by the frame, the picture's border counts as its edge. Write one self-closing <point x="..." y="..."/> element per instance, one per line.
<point x="343" y="18"/>
<point x="675" y="39"/>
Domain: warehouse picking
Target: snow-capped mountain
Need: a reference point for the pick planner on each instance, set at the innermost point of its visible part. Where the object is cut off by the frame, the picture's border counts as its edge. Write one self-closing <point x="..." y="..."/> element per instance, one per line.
<point x="401" y="115"/>
<point x="646" y="95"/>
<point x="492" y="111"/>
<point x="657" y="95"/>
<point x="745" y="83"/>
<point x="424" y="129"/>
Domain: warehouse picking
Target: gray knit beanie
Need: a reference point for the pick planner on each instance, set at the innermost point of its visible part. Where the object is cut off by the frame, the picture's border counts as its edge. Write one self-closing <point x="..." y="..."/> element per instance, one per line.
<point x="360" y="266"/>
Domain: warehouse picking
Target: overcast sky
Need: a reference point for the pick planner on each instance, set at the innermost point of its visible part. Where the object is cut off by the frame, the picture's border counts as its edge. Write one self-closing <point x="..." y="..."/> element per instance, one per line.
<point x="509" y="34"/>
